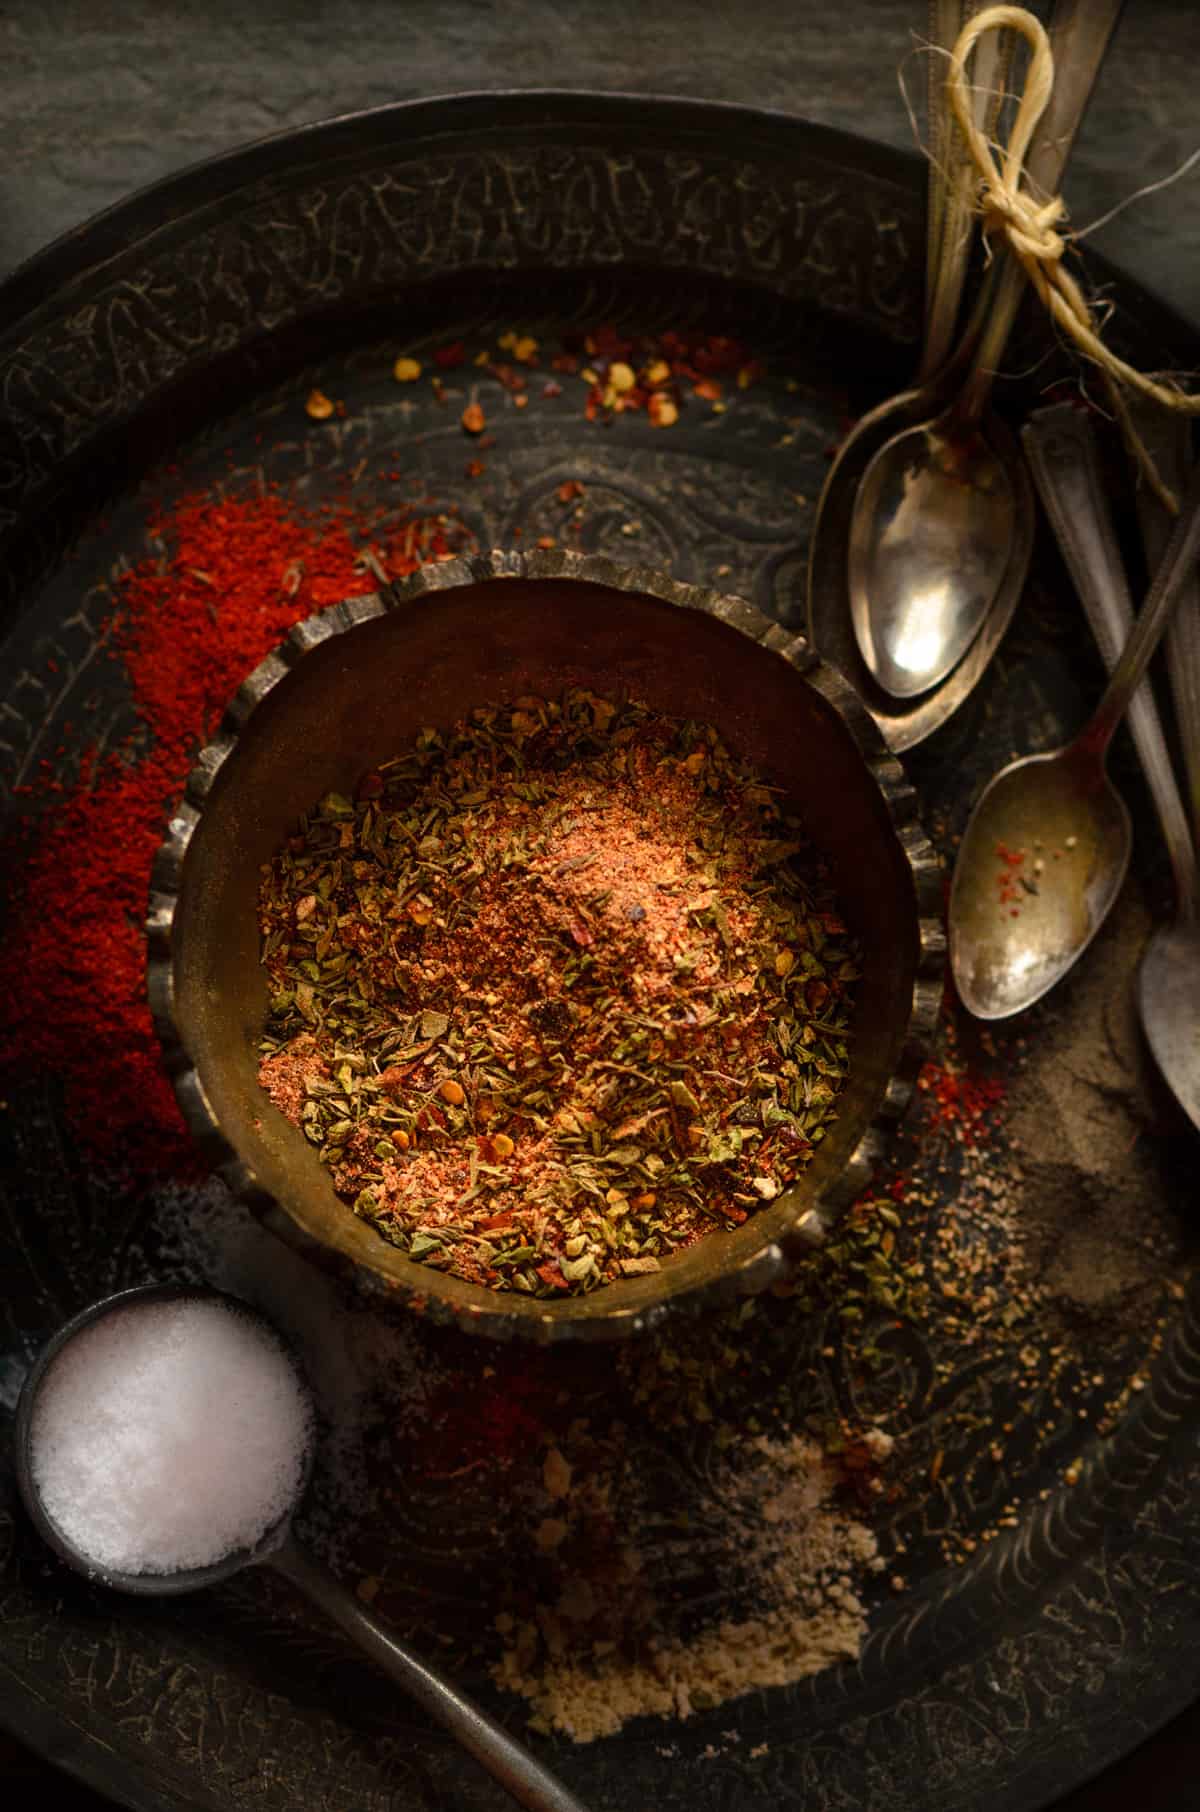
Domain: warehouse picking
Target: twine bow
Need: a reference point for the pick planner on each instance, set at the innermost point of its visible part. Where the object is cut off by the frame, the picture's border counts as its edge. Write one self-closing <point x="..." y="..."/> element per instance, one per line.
<point x="1030" y="226"/>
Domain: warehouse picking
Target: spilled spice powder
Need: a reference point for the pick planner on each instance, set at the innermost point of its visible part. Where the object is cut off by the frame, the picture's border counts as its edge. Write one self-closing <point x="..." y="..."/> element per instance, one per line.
<point x="233" y="576"/>
<point x="959" y="1099"/>
<point x="564" y="990"/>
<point x="591" y="1658"/>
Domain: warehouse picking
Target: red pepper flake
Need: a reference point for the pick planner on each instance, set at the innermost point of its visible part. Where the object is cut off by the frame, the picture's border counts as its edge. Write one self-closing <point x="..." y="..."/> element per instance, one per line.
<point x="447" y="357"/>
<point x="473" y="419"/>
<point x="1009" y="884"/>
<point x="73" y="962"/>
<point x="569" y="489"/>
<point x="500" y="1420"/>
<point x="505" y="375"/>
<point x="958" y="1099"/>
<point x="495" y="1223"/>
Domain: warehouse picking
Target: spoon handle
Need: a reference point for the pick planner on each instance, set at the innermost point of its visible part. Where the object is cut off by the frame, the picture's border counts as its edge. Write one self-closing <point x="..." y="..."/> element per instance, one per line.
<point x="951" y="174"/>
<point x="1060" y="445"/>
<point x="1169" y="440"/>
<point x="506" y="1760"/>
<point x="945" y="20"/>
<point x="1079" y="35"/>
<point x="1183" y="549"/>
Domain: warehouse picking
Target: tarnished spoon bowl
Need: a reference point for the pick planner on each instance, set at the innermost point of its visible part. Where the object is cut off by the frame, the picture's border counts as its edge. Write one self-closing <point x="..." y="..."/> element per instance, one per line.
<point x="1040" y="866"/>
<point x="904" y="723"/>
<point x="931" y="538"/>
<point x="1047" y="846"/>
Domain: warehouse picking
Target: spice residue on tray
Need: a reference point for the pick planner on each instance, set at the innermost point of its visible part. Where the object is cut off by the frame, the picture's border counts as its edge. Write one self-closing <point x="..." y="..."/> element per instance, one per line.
<point x="652" y="374"/>
<point x="591" y="1659"/>
<point x="558" y="993"/>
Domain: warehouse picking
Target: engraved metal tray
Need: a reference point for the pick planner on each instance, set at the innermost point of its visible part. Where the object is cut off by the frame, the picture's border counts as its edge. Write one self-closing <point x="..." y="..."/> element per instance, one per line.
<point x="173" y="341"/>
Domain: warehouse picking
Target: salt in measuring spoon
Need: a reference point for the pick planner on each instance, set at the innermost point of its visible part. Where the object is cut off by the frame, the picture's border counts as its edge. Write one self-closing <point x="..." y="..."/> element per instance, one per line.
<point x="276" y="1547"/>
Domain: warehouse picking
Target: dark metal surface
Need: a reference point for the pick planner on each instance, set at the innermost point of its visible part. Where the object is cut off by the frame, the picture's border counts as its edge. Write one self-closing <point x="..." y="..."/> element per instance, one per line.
<point x="994" y="1685"/>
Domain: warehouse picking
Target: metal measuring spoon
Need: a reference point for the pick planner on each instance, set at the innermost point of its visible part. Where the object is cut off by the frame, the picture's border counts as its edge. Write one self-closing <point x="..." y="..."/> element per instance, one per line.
<point x="1168" y="980"/>
<point x="1047" y="846"/>
<point x="1079" y="35"/>
<point x="510" y="1764"/>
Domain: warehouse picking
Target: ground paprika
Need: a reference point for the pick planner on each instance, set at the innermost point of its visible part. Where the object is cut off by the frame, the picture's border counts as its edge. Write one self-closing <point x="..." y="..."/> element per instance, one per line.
<point x="236" y="573"/>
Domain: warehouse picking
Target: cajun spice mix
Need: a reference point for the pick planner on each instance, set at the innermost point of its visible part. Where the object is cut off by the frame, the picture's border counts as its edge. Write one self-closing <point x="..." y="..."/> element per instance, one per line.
<point x="556" y="994"/>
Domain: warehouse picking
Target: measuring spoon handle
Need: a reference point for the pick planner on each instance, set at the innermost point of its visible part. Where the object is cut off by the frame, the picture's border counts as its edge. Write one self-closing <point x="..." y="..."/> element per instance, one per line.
<point x="1060" y="445"/>
<point x="1183" y="549"/>
<point x="505" y="1760"/>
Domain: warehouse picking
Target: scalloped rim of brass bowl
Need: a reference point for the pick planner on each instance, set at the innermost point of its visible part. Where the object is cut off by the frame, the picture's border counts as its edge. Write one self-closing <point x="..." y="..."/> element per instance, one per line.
<point x="733" y="1264"/>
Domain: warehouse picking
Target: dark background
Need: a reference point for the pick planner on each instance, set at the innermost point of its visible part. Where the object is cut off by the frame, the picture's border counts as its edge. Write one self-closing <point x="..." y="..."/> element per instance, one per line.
<point x="98" y="97"/>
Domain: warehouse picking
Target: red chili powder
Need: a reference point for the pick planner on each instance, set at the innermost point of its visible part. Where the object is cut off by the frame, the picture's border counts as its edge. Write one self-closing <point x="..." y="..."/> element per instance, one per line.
<point x="239" y="574"/>
<point x="956" y="1098"/>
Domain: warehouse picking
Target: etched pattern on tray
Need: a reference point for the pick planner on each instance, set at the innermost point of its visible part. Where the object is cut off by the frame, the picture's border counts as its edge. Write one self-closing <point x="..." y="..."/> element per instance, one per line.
<point x="270" y="255"/>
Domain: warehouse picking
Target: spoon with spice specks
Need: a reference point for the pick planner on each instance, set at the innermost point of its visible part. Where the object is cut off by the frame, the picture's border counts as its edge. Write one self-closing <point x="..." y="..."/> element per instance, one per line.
<point x="1047" y="845"/>
<point x="164" y="1439"/>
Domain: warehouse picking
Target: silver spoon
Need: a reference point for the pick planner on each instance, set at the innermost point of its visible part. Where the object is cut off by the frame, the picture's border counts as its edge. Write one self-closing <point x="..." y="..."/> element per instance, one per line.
<point x="1168" y="981"/>
<point x="510" y="1764"/>
<point x="1079" y="36"/>
<point x="932" y="535"/>
<point x="1060" y="443"/>
<point x="1047" y="846"/>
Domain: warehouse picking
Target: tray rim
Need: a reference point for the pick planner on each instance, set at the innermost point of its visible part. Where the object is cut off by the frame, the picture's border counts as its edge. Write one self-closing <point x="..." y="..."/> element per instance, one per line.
<point x="34" y="285"/>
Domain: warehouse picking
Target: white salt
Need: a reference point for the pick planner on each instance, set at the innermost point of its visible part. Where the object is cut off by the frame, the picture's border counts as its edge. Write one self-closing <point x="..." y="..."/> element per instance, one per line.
<point x="169" y="1435"/>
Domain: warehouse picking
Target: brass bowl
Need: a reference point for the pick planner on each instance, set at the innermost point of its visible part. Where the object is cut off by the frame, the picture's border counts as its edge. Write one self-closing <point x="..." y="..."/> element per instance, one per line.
<point x="346" y="691"/>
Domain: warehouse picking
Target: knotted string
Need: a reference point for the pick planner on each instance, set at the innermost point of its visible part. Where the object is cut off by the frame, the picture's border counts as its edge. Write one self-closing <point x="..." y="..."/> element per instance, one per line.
<point x="1030" y="226"/>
